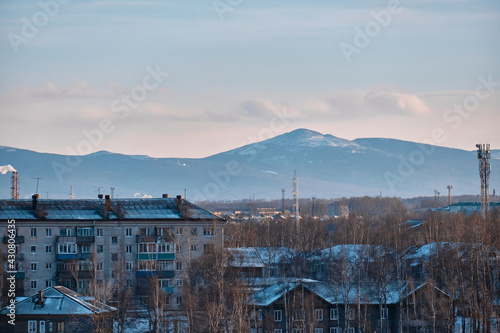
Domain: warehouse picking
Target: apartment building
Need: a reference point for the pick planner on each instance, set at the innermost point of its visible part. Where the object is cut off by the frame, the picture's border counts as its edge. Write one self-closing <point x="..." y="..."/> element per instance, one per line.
<point x="71" y="242"/>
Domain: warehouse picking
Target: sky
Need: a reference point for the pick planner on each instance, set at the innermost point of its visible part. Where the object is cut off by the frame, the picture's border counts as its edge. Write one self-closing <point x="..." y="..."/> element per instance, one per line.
<point x="194" y="78"/>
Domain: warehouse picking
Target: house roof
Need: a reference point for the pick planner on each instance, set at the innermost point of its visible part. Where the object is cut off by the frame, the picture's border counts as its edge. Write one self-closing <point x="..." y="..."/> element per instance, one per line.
<point x="244" y="257"/>
<point x="58" y="300"/>
<point x="353" y="252"/>
<point x="368" y="293"/>
<point x="93" y="209"/>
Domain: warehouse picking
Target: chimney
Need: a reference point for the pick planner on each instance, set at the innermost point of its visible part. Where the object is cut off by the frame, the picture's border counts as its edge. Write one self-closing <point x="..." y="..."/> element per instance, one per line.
<point x="179" y="201"/>
<point x="108" y="202"/>
<point x="34" y="201"/>
<point x="100" y="196"/>
<point x="164" y="195"/>
<point x="40" y="297"/>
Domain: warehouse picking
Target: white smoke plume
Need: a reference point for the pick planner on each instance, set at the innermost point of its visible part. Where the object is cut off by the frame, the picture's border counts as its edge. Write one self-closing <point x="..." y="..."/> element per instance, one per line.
<point x="6" y="168"/>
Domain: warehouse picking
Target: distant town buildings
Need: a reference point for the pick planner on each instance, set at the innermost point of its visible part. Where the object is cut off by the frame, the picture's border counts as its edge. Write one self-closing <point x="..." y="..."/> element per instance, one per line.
<point x="338" y="209"/>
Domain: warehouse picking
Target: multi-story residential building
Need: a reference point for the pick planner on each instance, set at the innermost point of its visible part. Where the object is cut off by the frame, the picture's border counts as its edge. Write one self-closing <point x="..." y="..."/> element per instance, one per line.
<point x="71" y="242"/>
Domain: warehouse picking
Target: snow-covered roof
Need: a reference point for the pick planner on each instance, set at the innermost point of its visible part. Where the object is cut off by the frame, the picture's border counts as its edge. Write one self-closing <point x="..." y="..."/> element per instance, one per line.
<point x="58" y="300"/>
<point x="275" y="255"/>
<point x="354" y="252"/>
<point x="368" y="293"/>
<point x="92" y="209"/>
<point x="244" y="257"/>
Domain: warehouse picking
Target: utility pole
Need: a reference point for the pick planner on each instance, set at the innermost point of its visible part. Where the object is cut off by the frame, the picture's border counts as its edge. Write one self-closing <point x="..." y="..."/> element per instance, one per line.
<point x="112" y="188"/>
<point x="483" y="155"/>
<point x="449" y="187"/>
<point x="283" y="201"/>
<point x="295" y="194"/>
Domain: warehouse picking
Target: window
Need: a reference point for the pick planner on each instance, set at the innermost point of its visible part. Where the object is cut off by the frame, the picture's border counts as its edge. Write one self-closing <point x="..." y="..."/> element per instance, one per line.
<point x="33" y="232"/>
<point x="99" y="248"/>
<point x="48" y="283"/>
<point x="179" y="283"/>
<point x="193" y="248"/>
<point x="48" y="249"/>
<point x="85" y="231"/>
<point x="48" y="232"/>
<point x="33" y="284"/>
<point x="128" y="249"/>
<point x="178" y="300"/>
<point x="60" y="326"/>
<point x="99" y="266"/>
<point x="164" y="283"/>
<point x="179" y="266"/>
<point x="165" y="265"/>
<point x="130" y="283"/>
<point x="297" y="315"/>
<point x="32" y="325"/>
<point x="206" y="248"/>
<point x="334" y="314"/>
<point x="277" y="315"/>
<point x="351" y="330"/>
<point x="208" y="232"/>
<point x="318" y="330"/>
<point x="33" y="266"/>
<point x="318" y="314"/>
<point x="296" y="330"/>
<point x="178" y="248"/>
<point x="66" y="248"/>
<point x="48" y="266"/>
<point x="178" y="231"/>
<point x="146" y="265"/>
<point x="84" y="249"/>
<point x="99" y="232"/>
<point x="114" y="256"/>
<point x="166" y="248"/>
<point x="51" y="326"/>
<point x="278" y="330"/>
<point x="194" y="231"/>
<point x="259" y="314"/>
<point x="334" y="330"/>
<point x="33" y="249"/>
<point x="147" y="248"/>
<point x="351" y="314"/>
<point x="42" y="326"/>
<point x="385" y="313"/>
<point x="65" y="232"/>
<point x="427" y="329"/>
<point x="128" y="232"/>
<point x="114" y="240"/>
<point x="129" y="265"/>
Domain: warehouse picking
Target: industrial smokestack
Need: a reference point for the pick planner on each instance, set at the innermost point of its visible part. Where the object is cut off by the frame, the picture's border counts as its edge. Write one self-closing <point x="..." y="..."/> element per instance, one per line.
<point x="6" y="168"/>
<point x="14" y="189"/>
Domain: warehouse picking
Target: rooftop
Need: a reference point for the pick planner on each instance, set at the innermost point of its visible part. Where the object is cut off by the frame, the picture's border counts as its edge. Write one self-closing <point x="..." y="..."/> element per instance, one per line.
<point x="98" y="209"/>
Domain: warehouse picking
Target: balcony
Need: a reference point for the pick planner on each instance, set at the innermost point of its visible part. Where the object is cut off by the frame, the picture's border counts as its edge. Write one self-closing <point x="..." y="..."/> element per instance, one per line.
<point x="165" y="274"/>
<point x="66" y="256"/>
<point x="83" y="256"/>
<point x="85" y="239"/>
<point x="19" y="256"/>
<point x="20" y="275"/>
<point x="17" y="239"/>
<point x="160" y="274"/>
<point x="146" y="239"/>
<point x="155" y="256"/>
<point x="168" y="290"/>
<point x="85" y="275"/>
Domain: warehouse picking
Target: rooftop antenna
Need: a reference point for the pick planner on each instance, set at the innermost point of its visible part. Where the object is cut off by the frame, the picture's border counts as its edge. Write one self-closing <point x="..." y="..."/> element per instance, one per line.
<point x="99" y="189"/>
<point x="483" y="155"/>
<point x="112" y="188"/>
<point x="37" y="181"/>
<point x="295" y="194"/>
<point x="185" y="194"/>
<point x="449" y="187"/>
<point x="71" y="193"/>
<point x="283" y="201"/>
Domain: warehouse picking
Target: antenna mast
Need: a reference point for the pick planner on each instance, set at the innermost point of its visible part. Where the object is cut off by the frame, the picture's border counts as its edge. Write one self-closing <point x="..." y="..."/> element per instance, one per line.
<point x="295" y="194"/>
<point x="449" y="187"/>
<point x="483" y="155"/>
<point x="37" y="181"/>
<point x="71" y="193"/>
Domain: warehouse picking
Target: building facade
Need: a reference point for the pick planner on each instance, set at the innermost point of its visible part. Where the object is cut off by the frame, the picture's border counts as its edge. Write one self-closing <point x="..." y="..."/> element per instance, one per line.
<point x="72" y="242"/>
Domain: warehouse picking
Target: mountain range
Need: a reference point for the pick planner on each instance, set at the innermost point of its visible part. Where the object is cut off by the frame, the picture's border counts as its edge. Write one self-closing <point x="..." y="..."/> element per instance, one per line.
<point x="327" y="167"/>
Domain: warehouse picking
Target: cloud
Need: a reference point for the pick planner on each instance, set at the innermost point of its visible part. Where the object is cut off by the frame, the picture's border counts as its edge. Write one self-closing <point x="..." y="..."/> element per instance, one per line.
<point x="50" y="90"/>
<point x="378" y="100"/>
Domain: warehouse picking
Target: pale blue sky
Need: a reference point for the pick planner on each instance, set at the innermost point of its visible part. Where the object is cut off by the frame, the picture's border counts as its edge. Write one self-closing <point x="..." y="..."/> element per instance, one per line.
<point x="227" y="76"/>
